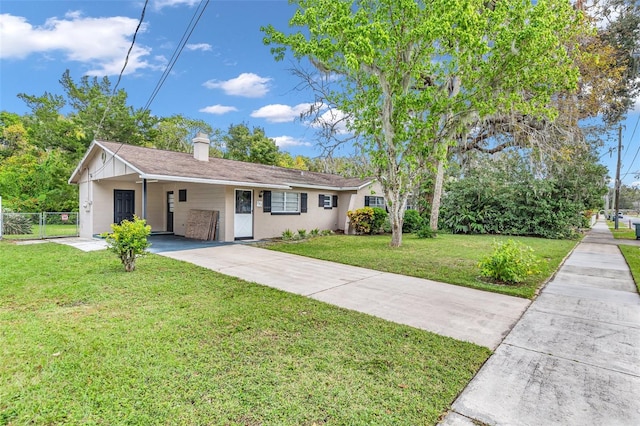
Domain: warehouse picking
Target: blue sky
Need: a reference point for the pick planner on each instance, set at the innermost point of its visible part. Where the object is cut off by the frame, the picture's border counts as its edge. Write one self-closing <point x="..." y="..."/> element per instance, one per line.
<point x="225" y="75"/>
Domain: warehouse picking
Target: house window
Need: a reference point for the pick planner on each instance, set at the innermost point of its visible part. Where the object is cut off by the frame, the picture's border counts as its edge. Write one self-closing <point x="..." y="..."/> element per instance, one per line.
<point x="285" y="202"/>
<point x="182" y="195"/>
<point x="327" y="201"/>
<point x="371" y="201"/>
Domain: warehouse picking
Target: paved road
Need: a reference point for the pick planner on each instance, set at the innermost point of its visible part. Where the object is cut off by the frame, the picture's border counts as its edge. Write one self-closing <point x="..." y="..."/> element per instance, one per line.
<point x="462" y="313"/>
<point x="574" y="357"/>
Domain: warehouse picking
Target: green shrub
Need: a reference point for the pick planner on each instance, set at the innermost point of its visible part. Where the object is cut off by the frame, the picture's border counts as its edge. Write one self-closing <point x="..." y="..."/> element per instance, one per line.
<point x="361" y="220"/>
<point x="302" y="234"/>
<point x="412" y="221"/>
<point x="386" y="226"/>
<point x="287" y="235"/>
<point x="314" y="232"/>
<point x="379" y="218"/>
<point x="510" y="262"/>
<point x="16" y="224"/>
<point x="326" y="232"/>
<point x="425" y="231"/>
<point x="128" y="240"/>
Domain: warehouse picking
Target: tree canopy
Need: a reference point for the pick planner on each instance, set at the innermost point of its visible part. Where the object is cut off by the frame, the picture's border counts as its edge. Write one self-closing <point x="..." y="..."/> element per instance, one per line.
<point x="40" y="149"/>
<point x="253" y="146"/>
<point x="415" y="75"/>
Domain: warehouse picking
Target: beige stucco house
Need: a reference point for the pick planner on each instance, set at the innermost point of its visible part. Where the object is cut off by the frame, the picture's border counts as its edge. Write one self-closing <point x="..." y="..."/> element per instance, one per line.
<point x="254" y="201"/>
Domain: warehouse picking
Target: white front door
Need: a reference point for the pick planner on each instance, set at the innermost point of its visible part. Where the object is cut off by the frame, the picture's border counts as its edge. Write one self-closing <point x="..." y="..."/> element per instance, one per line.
<point x="243" y="218"/>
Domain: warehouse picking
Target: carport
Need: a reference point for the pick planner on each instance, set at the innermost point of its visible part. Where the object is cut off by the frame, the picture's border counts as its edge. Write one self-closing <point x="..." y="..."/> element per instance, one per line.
<point x="168" y="242"/>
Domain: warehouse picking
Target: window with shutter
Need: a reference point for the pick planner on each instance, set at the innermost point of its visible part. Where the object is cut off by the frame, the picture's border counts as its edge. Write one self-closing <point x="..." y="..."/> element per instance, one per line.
<point x="266" y="203"/>
<point x="285" y="202"/>
<point x="371" y="201"/>
<point x="334" y="201"/>
<point x="303" y="202"/>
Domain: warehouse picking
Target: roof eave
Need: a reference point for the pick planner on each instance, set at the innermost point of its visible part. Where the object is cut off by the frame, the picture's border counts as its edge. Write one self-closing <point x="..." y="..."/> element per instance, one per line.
<point x="329" y="188"/>
<point x="212" y="181"/>
<point x="113" y="155"/>
<point x="72" y="180"/>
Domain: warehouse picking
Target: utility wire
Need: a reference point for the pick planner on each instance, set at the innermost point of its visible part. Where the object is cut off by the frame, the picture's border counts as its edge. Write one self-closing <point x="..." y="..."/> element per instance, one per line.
<point x="174" y="57"/>
<point x="178" y="50"/>
<point x="637" y="151"/>
<point x="124" y="66"/>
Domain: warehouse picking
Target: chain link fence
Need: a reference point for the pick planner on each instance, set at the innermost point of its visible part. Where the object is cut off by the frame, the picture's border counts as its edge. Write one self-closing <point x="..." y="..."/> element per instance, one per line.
<point x="28" y="226"/>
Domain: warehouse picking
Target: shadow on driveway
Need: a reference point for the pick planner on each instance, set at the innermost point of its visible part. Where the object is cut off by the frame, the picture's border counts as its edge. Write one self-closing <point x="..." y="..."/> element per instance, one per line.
<point x="162" y="243"/>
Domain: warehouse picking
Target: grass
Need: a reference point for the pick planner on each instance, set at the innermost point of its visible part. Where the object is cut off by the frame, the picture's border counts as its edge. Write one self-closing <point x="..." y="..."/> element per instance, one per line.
<point x="45" y="231"/>
<point x="448" y="258"/>
<point x="632" y="256"/>
<point x="83" y="342"/>
<point x="623" y="232"/>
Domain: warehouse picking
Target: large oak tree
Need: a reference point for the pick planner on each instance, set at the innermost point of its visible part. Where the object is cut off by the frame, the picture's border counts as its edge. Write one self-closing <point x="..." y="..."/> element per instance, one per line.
<point x="414" y="75"/>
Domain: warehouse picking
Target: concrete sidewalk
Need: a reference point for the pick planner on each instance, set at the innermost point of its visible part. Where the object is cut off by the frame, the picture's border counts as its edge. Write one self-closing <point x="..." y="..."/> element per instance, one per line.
<point x="462" y="313"/>
<point x="574" y="357"/>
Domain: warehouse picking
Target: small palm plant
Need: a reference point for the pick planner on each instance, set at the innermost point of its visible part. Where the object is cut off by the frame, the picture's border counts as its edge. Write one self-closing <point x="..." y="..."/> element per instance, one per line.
<point x="16" y="224"/>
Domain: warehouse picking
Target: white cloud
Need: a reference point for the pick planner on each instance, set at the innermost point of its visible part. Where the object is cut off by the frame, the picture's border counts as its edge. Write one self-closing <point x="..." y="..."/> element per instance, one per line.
<point x="160" y="4"/>
<point x="248" y="85"/>
<point x="101" y="42"/>
<point x="199" y="46"/>
<point x="218" y="109"/>
<point x="333" y="118"/>
<point x="287" y="141"/>
<point x="278" y="113"/>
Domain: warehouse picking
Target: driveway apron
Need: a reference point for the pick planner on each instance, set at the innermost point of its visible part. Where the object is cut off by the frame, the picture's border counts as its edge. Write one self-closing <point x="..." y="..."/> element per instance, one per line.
<point x="462" y="313"/>
<point x="574" y="357"/>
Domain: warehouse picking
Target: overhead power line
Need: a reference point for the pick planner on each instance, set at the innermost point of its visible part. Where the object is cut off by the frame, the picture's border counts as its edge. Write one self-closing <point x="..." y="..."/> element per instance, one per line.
<point x="124" y="66"/>
<point x="174" y="57"/>
<point x="637" y="151"/>
<point x="178" y="50"/>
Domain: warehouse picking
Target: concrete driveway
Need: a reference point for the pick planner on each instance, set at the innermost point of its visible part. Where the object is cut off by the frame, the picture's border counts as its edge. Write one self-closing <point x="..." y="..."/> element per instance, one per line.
<point x="462" y="313"/>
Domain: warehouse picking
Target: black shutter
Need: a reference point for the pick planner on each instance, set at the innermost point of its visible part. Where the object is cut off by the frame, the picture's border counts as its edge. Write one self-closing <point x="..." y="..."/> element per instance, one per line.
<point x="320" y="200"/>
<point x="303" y="202"/>
<point x="266" y="204"/>
<point x="366" y="201"/>
<point x="334" y="201"/>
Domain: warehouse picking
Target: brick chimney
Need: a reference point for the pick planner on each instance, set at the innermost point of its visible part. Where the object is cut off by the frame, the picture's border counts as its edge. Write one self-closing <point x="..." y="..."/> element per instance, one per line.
<point x="201" y="147"/>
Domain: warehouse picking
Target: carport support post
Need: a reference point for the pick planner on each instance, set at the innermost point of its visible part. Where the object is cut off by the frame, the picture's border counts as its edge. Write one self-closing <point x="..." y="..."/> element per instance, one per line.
<point x="144" y="199"/>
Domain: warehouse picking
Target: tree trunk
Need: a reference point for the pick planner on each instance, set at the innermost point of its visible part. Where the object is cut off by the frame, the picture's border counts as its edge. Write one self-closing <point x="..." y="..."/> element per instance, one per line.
<point x="437" y="195"/>
<point x="129" y="261"/>
<point x="396" y="226"/>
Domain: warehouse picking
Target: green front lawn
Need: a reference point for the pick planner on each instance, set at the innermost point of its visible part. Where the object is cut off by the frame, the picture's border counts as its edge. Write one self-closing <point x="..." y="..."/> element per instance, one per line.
<point x="632" y="256"/>
<point x="448" y="258"/>
<point x="83" y="342"/>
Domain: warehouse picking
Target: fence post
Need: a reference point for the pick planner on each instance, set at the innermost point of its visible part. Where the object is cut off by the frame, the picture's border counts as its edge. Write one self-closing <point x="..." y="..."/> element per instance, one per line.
<point x="41" y="226"/>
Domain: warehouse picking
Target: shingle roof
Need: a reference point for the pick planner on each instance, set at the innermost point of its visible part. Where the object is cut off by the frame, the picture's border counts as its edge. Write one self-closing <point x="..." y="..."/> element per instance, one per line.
<point x="157" y="163"/>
